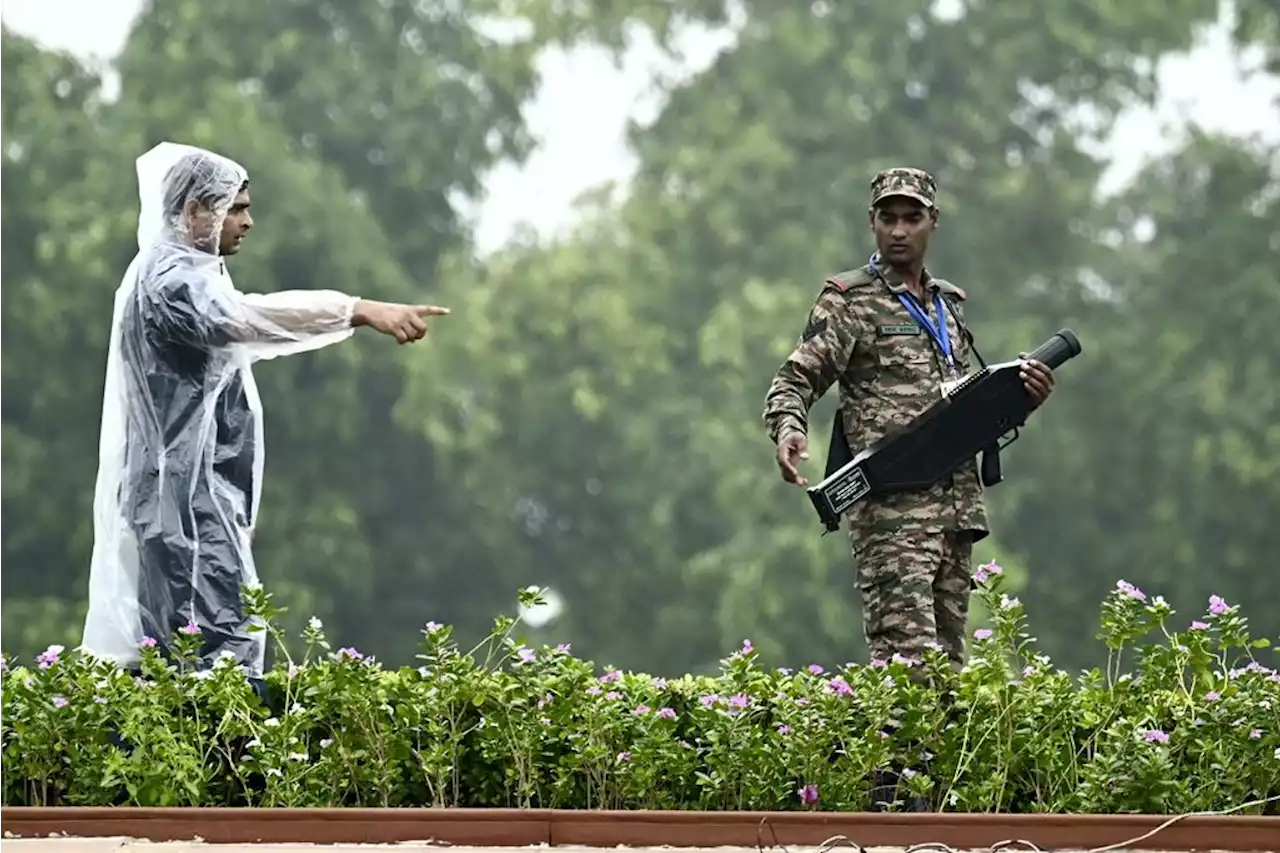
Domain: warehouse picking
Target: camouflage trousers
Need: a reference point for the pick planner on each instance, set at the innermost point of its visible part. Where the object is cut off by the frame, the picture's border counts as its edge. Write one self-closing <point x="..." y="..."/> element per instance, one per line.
<point x="915" y="591"/>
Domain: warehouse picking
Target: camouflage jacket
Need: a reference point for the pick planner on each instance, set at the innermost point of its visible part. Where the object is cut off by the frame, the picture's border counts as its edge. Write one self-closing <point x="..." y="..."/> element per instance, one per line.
<point x="889" y="370"/>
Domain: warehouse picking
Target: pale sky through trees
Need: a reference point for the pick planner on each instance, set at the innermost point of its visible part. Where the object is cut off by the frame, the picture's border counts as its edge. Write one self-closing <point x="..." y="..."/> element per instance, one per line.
<point x="580" y="113"/>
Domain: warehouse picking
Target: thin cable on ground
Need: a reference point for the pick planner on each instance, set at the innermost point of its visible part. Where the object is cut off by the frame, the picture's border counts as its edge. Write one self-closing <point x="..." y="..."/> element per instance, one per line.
<point x="837" y="841"/>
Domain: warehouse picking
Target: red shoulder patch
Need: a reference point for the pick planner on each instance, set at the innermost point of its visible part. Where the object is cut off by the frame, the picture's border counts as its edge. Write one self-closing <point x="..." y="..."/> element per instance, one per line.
<point x="838" y="283"/>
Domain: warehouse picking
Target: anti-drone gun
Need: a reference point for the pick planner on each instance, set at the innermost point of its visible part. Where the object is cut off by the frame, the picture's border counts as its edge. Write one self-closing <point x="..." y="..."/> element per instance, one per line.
<point x="972" y="415"/>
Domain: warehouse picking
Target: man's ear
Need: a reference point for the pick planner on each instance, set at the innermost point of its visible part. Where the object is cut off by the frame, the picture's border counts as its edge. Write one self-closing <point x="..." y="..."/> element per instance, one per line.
<point x="933" y="216"/>
<point x="871" y="218"/>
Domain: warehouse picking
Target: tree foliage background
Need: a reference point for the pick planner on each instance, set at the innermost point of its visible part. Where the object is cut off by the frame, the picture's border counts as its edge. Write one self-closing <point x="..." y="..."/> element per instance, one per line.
<point x="589" y="416"/>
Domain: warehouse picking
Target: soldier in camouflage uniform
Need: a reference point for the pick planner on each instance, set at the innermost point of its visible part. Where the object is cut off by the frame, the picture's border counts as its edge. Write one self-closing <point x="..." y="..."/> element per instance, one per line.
<point x="913" y="550"/>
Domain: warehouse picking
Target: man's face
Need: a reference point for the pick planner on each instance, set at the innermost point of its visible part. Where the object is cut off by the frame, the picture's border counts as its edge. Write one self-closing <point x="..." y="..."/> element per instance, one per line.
<point x="902" y="227"/>
<point x="236" y="224"/>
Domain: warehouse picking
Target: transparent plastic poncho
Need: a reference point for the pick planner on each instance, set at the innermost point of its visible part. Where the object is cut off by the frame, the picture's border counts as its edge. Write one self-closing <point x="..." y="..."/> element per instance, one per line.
<point x="180" y="462"/>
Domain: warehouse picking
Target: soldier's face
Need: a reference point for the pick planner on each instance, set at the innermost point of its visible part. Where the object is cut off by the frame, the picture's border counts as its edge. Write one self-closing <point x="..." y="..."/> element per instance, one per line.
<point x="902" y="227"/>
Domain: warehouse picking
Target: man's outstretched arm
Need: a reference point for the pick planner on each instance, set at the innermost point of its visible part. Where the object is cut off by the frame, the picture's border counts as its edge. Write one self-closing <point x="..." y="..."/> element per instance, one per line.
<point x="197" y="311"/>
<point x="321" y="311"/>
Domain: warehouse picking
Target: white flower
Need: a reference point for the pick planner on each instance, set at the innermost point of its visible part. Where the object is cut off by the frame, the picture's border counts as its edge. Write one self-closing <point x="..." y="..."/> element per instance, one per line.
<point x="315" y="624"/>
<point x="271" y="721"/>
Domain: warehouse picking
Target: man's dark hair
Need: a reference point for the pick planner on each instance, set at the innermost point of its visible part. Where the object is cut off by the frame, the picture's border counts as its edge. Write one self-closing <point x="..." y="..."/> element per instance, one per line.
<point x="201" y="178"/>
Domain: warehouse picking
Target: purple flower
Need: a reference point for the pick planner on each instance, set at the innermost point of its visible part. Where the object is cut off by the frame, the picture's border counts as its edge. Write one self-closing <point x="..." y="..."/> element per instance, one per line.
<point x="1131" y="590"/>
<point x="1212" y="696"/>
<point x="839" y="686"/>
<point x="98" y="700"/>
<point x="747" y="648"/>
<point x="1217" y="606"/>
<point x="613" y="696"/>
<point x="784" y="671"/>
<point x="624" y="756"/>
<point x="659" y="684"/>
<point x="808" y="794"/>
<point x="667" y="714"/>
<point x="739" y="702"/>
<point x="610" y="676"/>
<point x="49" y="656"/>
<point x="984" y="572"/>
<point x="432" y="627"/>
<point x="564" y="648"/>
<point x="904" y="660"/>
<point x="982" y="634"/>
<point x="641" y="710"/>
<point x="1156" y="736"/>
<point x="815" y="669"/>
<point x="1256" y="734"/>
<point x="59" y="702"/>
<point x="709" y="700"/>
<point x="784" y="729"/>
<point x="879" y="663"/>
<point x="191" y="629"/>
<point x="594" y="691"/>
<point x="148" y="642"/>
<point x="528" y="655"/>
<point x="1199" y="626"/>
<point x="907" y="773"/>
<point x="348" y="653"/>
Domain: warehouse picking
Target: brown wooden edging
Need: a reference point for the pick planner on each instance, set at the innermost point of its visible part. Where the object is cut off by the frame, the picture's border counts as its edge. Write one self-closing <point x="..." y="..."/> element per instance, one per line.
<point x="523" y="827"/>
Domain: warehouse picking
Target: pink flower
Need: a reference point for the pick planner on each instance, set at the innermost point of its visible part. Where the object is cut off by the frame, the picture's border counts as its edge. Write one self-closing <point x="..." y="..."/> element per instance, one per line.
<point x="984" y="572"/>
<point x="839" y="686"/>
<point x="1156" y="736"/>
<point x="982" y="634"/>
<point x="1131" y="590"/>
<point x="667" y="714"/>
<point x="191" y="629"/>
<point x="49" y="656"/>
<point x="1217" y="606"/>
<point x="808" y="794"/>
<point x="148" y="642"/>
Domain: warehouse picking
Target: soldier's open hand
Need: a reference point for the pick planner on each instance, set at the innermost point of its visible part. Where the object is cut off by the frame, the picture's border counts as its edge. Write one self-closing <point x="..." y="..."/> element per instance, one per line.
<point x="792" y="449"/>
<point x="1037" y="379"/>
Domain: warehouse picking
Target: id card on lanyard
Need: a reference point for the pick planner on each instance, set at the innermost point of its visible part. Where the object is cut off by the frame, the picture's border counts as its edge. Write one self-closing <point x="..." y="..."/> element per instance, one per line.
<point x="938" y="332"/>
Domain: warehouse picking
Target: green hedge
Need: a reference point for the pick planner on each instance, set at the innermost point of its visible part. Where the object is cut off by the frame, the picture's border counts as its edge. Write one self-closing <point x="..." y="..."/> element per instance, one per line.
<point x="1192" y="726"/>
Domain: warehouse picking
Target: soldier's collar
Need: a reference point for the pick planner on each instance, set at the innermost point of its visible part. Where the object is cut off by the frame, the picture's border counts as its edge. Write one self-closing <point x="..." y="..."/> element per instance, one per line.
<point x="894" y="279"/>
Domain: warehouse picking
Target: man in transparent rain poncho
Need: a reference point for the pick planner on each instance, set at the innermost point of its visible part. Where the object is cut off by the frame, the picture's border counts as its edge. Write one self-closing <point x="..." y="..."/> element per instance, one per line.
<point x="181" y="449"/>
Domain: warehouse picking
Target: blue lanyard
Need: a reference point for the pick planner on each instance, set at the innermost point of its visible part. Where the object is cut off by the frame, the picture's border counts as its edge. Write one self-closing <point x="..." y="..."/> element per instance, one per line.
<point x="941" y="336"/>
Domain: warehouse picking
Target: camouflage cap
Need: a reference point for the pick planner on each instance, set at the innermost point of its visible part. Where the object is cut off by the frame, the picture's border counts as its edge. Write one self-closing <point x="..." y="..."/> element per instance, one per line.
<point x="912" y="183"/>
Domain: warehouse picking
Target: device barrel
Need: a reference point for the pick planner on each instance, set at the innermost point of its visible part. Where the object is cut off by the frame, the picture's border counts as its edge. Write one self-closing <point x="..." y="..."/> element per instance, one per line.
<point x="1060" y="348"/>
